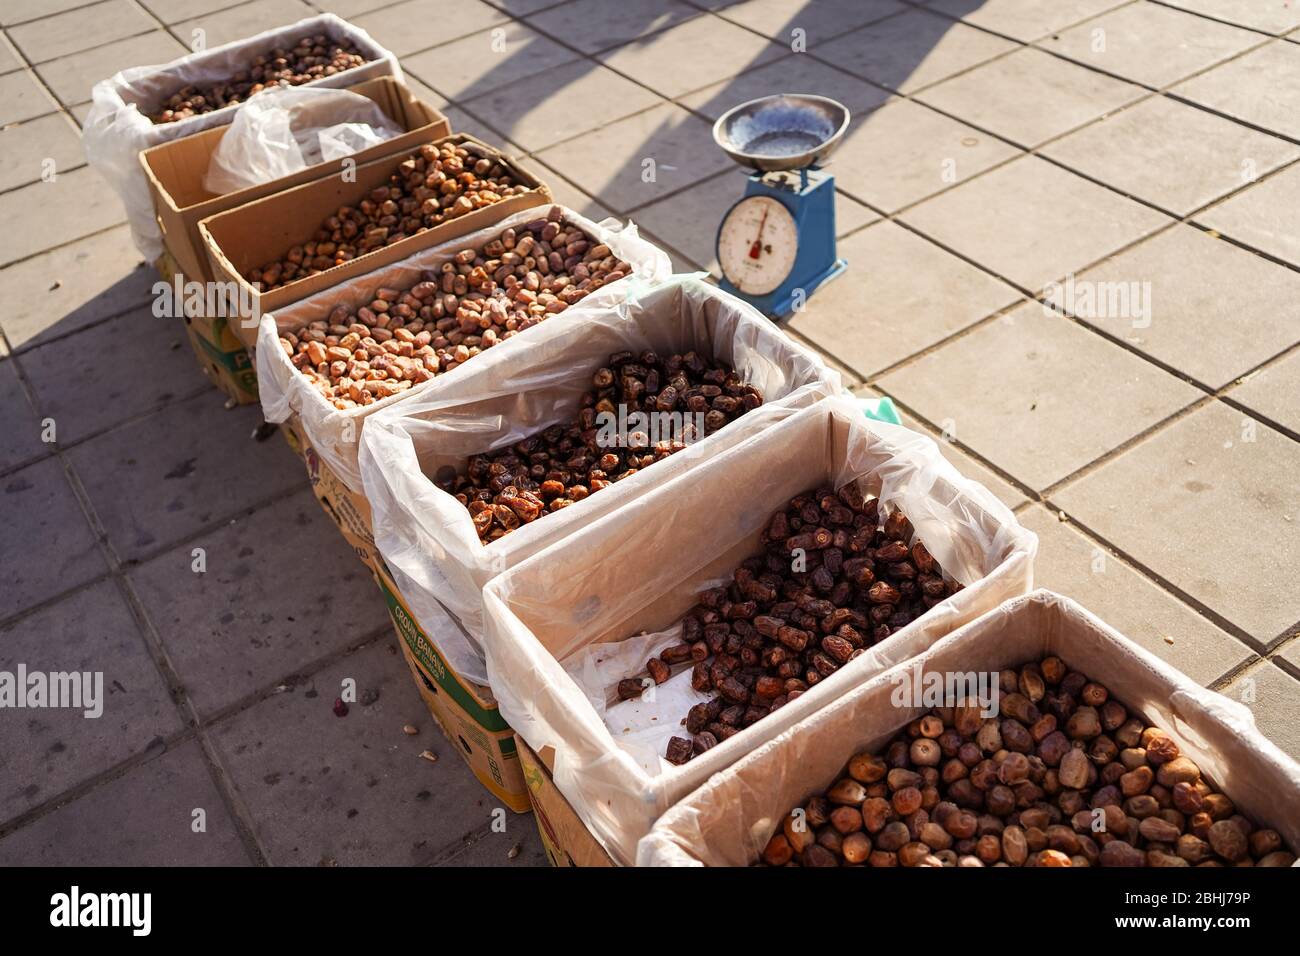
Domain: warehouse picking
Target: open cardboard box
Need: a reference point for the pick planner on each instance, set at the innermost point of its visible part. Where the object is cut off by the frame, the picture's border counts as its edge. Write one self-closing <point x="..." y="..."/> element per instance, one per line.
<point x="564" y="625"/>
<point x="729" y="820"/>
<point x="118" y="127"/>
<point x="248" y="237"/>
<point x="176" y="169"/>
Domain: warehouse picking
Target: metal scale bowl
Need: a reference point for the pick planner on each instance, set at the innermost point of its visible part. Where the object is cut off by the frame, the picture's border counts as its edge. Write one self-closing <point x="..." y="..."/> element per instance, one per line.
<point x="777" y="243"/>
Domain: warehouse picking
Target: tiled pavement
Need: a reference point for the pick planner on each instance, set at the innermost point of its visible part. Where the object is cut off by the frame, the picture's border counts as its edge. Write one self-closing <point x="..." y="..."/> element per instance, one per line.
<point x="998" y="146"/>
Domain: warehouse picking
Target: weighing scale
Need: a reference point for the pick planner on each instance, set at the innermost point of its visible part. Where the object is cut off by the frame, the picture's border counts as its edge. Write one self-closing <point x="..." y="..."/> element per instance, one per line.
<point x="777" y="244"/>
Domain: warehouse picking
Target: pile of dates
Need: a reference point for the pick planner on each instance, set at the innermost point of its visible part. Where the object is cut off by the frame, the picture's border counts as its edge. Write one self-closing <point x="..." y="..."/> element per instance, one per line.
<point x="309" y="59"/>
<point x="565" y="463"/>
<point x="432" y="185"/>
<point x="1065" y="775"/>
<point x="831" y="581"/>
<point x="477" y="299"/>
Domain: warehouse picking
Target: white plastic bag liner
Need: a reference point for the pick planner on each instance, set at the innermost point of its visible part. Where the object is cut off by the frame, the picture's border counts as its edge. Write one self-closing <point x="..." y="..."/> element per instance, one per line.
<point x="728" y="821"/>
<point x="117" y="128"/>
<point x="427" y="537"/>
<point x="638" y="570"/>
<point x="335" y="433"/>
<point x="280" y="132"/>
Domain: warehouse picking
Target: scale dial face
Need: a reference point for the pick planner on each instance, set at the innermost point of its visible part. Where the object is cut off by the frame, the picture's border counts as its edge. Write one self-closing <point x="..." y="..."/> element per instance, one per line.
<point x="757" y="245"/>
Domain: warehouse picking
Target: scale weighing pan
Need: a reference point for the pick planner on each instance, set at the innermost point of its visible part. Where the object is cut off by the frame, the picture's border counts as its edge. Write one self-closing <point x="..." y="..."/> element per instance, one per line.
<point x="782" y="132"/>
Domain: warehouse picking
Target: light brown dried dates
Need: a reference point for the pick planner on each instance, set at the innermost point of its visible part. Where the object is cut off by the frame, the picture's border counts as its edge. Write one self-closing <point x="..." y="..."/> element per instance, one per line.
<point x="1089" y="796"/>
<point x="477" y="299"/>
<point x="432" y="185"/>
<point x="831" y="581"/>
<point x="565" y="463"/>
<point x="308" y="59"/>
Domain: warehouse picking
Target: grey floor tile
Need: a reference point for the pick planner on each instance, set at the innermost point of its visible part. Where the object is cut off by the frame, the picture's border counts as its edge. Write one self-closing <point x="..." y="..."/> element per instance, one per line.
<point x="75" y="204"/>
<point x="22" y="97"/>
<point x="31" y="150"/>
<point x="592" y="25"/>
<point x="416" y="25"/>
<point x="801" y="74"/>
<point x="47" y="546"/>
<point x="1262" y="216"/>
<point x="20" y="429"/>
<point x="912" y="50"/>
<point x="174" y="11"/>
<point x="692" y="55"/>
<point x="68" y="288"/>
<point x="819" y="21"/>
<point x="158" y="479"/>
<point x="66" y="33"/>
<point x="351" y="790"/>
<point x="1025" y="20"/>
<point x="1070" y="563"/>
<point x="1289" y="654"/>
<point x="462" y="122"/>
<point x="963" y="461"/>
<point x="1151" y="44"/>
<point x="241" y="625"/>
<point x="487" y="61"/>
<point x="9" y="59"/>
<point x="1273" y="697"/>
<point x="1033" y="222"/>
<point x="641" y="158"/>
<point x="1174" y="156"/>
<point x="540" y="113"/>
<point x="45" y="752"/>
<point x="1261" y="88"/>
<point x="905" y="152"/>
<point x="1211" y="504"/>
<point x="71" y="78"/>
<point x="908" y="295"/>
<point x="20" y="11"/>
<point x="567" y="194"/>
<point x="1271" y="16"/>
<point x="1274" y="392"/>
<point x="235" y="23"/>
<point x="1029" y="96"/>
<point x="494" y="849"/>
<point x="1198" y="290"/>
<point x="143" y="818"/>
<point x="83" y="382"/>
<point x="1022" y="391"/>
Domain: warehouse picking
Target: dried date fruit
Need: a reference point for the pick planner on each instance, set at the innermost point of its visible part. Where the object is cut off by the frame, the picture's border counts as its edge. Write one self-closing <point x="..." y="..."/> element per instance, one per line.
<point x="310" y="58"/>
<point x="1100" y="801"/>
<point x="568" y="462"/>
<point x="361" y="354"/>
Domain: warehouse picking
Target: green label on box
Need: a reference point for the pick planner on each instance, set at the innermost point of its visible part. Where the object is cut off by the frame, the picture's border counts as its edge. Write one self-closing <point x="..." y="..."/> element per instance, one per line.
<point x="428" y="656"/>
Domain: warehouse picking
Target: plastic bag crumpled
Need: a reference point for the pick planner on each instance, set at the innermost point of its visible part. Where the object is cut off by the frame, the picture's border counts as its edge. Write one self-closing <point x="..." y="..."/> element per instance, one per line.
<point x="117" y="128"/>
<point x="280" y="132"/>
<point x="427" y="537"/>
<point x="552" y="621"/>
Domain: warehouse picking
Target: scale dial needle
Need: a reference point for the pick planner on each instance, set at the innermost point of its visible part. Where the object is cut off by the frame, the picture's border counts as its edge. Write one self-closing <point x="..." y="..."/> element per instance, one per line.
<point x="756" y="249"/>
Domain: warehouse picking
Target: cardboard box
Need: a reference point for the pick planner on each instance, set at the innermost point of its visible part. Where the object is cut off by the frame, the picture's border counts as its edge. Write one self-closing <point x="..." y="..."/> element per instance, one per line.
<point x="567" y="841"/>
<point x="222" y="359"/>
<point x="466" y="712"/>
<point x="730" y="818"/>
<point x="248" y="237"/>
<point x="565" y="624"/>
<point x="175" y="171"/>
<point x="349" y="510"/>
